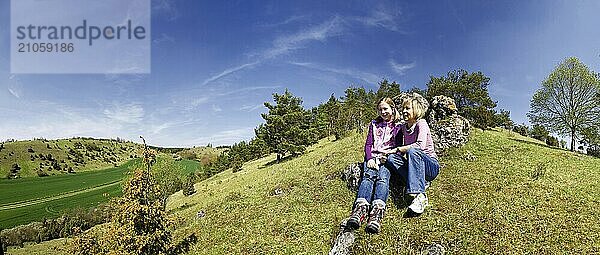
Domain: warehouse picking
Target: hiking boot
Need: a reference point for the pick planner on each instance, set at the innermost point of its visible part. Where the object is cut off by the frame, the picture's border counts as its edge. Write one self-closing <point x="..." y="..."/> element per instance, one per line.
<point x="374" y="225"/>
<point x="358" y="216"/>
<point x="419" y="203"/>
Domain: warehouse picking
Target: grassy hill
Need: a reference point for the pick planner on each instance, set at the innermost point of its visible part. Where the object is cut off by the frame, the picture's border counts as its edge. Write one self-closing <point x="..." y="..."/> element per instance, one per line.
<point x="41" y="157"/>
<point x="500" y="193"/>
<point x="205" y="155"/>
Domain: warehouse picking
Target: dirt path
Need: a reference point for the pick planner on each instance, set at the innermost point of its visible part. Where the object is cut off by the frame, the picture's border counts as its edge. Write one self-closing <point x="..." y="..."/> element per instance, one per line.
<point x="43" y="200"/>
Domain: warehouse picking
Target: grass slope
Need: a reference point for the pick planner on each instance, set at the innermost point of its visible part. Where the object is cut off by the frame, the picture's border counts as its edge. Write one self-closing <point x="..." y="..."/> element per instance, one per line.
<point x="80" y="154"/>
<point x="500" y="193"/>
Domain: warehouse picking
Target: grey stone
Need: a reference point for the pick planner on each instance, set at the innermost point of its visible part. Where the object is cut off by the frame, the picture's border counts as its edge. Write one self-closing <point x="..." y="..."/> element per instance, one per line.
<point x="434" y="249"/>
<point x="200" y="214"/>
<point x="343" y="241"/>
<point x="448" y="129"/>
<point x="351" y="175"/>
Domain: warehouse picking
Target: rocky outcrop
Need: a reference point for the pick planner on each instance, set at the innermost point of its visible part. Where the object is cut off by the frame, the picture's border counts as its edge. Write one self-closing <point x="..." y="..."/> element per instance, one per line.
<point x="448" y="129"/>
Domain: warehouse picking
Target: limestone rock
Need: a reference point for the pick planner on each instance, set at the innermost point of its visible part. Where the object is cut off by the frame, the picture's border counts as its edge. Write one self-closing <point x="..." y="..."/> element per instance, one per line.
<point x="434" y="249"/>
<point x="343" y="242"/>
<point x="448" y="129"/>
<point x="351" y="175"/>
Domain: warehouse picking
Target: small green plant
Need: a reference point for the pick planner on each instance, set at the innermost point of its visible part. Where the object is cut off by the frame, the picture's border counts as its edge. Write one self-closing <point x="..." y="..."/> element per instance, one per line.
<point x="539" y="171"/>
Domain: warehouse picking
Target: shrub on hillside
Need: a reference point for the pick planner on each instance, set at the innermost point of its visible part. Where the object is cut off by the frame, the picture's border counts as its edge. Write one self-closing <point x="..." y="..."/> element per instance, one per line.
<point x="539" y="132"/>
<point x="14" y="172"/>
<point x="188" y="186"/>
<point x="187" y="154"/>
<point x="139" y="225"/>
<point x="552" y="141"/>
<point x="169" y="176"/>
<point x="522" y="129"/>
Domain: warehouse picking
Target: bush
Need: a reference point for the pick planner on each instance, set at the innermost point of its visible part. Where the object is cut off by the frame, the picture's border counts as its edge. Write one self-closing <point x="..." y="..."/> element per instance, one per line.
<point x="169" y="176"/>
<point x="64" y="226"/>
<point x="521" y="129"/>
<point x="139" y="225"/>
<point x="41" y="173"/>
<point x="14" y="172"/>
<point x="538" y="132"/>
<point x="188" y="186"/>
<point x="552" y="141"/>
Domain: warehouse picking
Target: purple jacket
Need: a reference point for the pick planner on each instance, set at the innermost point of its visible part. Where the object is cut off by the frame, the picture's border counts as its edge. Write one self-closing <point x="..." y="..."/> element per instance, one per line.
<point x="398" y="139"/>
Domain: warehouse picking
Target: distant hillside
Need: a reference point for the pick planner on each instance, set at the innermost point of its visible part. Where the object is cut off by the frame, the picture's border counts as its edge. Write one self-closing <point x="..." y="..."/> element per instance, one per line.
<point x="500" y="193"/>
<point x="204" y="155"/>
<point x="42" y="157"/>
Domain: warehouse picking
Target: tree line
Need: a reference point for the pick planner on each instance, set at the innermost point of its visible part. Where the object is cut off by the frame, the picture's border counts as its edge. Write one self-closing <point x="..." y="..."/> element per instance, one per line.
<point x="289" y="128"/>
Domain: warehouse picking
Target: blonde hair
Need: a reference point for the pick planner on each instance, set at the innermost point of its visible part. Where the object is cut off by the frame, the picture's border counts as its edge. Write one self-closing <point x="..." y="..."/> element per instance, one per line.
<point x="419" y="104"/>
<point x="390" y="102"/>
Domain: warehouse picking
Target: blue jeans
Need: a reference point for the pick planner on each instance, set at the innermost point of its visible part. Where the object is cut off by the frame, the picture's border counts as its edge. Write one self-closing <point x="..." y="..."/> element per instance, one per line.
<point x="415" y="170"/>
<point x="374" y="185"/>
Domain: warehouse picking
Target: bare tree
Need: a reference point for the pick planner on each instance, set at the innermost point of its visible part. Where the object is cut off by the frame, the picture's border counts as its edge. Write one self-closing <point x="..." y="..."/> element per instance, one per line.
<point x="568" y="101"/>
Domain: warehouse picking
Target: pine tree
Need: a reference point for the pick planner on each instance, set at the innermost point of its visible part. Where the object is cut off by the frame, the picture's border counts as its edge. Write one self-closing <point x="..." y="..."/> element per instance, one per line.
<point x="287" y="129"/>
<point x="387" y="89"/>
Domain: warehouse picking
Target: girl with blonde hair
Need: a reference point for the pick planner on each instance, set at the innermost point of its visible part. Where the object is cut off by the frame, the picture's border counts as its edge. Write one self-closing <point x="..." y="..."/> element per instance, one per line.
<point x="384" y="135"/>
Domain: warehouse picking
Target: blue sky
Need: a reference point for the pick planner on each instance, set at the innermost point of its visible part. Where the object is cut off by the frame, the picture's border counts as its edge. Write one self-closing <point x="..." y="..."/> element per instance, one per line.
<point x="215" y="63"/>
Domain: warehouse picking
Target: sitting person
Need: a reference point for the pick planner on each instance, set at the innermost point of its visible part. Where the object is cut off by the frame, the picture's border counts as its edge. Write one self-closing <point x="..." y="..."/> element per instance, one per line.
<point x="420" y="166"/>
<point x="373" y="191"/>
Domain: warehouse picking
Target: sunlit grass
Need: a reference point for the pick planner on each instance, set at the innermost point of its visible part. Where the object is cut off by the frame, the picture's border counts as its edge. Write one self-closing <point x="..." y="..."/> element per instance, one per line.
<point x="500" y="193"/>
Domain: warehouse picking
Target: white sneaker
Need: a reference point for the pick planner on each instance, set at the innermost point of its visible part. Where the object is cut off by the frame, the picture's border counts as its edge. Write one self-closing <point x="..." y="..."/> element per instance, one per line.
<point x="419" y="203"/>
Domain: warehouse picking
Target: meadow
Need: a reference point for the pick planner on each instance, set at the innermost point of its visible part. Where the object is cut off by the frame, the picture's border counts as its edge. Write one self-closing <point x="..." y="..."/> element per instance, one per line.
<point x="499" y="193"/>
<point x="33" y="199"/>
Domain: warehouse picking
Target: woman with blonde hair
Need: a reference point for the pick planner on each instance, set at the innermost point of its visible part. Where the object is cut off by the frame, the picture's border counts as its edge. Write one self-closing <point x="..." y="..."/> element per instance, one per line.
<point x="384" y="135"/>
<point x="421" y="165"/>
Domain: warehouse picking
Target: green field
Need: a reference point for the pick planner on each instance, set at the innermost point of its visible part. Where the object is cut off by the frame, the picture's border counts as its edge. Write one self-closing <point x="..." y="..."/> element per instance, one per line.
<point x="31" y="188"/>
<point x="54" y="208"/>
<point x="62" y="192"/>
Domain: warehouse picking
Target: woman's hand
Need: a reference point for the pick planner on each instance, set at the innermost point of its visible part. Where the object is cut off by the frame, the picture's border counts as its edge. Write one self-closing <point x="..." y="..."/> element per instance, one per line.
<point x="403" y="149"/>
<point x="372" y="163"/>
<point x="390" y="151"/>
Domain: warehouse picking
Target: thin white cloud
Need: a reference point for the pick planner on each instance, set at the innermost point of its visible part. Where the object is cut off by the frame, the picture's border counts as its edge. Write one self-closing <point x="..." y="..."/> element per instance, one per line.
<point x="125" y="113"/>
<point x="226" y="137"/>
<point x="365" y="76"/>
<point x="246" y="89"/>
<point x="292" y="19"/>
<point x="228" y="72"/>
<point x="401" y="68"/>
<point x="163" y="38"/>
<point x="216" y="108"/>
<point x="250" y="108"/>
<point x="287" y="43"/>
<point x="156" y="129"/>
<point x="383" y="17"/>
<point x="14" y="86"/>
<point x="14" y="93"/>
<point x="199" y="101"/>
